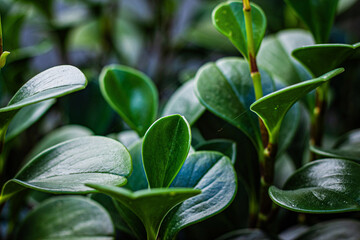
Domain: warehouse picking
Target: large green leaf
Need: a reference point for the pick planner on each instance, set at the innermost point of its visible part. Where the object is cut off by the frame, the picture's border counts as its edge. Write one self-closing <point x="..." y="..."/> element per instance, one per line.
<point x="165" y="147"/>
<point x="26" y="117"/>
<point x="52" y="83"/>
<point x="228" y="18"/>
<point x="57" y="136"/>
<point x="214" y="174"/>
<point x="226" y="89"/>
<point x="275" y="55"/>
<point x="150" y="205"/>
<point x="322" y="186"/>
<point x="322" y="58"/>
<point x="273" y="107"/>
<point x="66" y="167"/>
<point x="67" y="218"/>
<point x="318" y="15"/>
<point x="185" y="103"/>
<point x="131" y="94"/>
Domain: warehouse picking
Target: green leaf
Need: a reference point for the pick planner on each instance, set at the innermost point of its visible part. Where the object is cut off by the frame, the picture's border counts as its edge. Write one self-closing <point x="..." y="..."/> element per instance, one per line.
<point x="57" y="136"/>
<point x="273" y="107"/>
<point x="52" y="83"/>
<point x="322" y="58"/>
<point x="131" y="94"/>
<point x="248" y="234"/>
<point x="318" y="16"/>
<point x="212" y="173"/>
<point x="127" y="137"/>
<point x="165" y="147"/>
<point x="333" y="230"/>
<point x="137" y="180"/>
<point x="150" y="205"/>
<point x="26" y="117"/>
<point x="66" y="167"/>
<point x="322" y="186"/>
<point x="185" y="103"/>
<point x="225" y="146"/>
<point x="226" y="89"/>
<point x="275" y="55"/>
<point x="228" y="18"/>
<point x="67" y="218"/>
<point x="3" y="57"/>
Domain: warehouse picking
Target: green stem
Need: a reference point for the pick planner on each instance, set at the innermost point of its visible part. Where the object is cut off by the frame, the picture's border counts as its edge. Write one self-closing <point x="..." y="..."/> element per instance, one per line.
<point x="1" y="39"/>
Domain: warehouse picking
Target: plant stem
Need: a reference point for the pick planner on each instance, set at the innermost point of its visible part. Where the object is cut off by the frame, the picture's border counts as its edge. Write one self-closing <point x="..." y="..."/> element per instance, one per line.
<point x="1" y="39"/>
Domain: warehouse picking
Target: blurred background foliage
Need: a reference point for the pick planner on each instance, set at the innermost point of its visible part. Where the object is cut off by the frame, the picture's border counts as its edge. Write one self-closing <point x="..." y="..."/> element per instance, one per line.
<point x="166" y="39"/>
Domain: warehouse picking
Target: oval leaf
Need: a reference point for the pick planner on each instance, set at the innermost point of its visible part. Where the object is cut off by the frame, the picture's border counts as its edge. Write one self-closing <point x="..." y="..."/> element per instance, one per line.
<point x="322" y="186"/>
<point x="67" y="218"/>
<point x="150" y="205"/>
<point x="131" y="94"/>
<point x="318" y="16"/>
<point x="322" y="58"/>
<point x="226" y="89"/>
<point x="165" y="147"/>
<point x="66" y="167"/>
<point x="214" y="174"/>
<point x="185" y="103"/>
<point x="228" y="18"/>
<point x="273" y="107"/>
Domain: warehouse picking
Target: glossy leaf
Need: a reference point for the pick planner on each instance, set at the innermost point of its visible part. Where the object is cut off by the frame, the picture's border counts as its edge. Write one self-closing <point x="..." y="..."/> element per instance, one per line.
<point x="228" y="18"/>
<point x="66" y="167"/>
<point x="52" y="83"/>
<point x="318" y="16"/>
<point x="3" y="58"/>
<point x="131" y="94"/>
<point x="212" y="173"/>
<point x="57" y="136"/>
<point x="322" y="186"/>
<point x="333" y="230"/>
<point x="226" y="89"/>
<point x="67" y="218"/>
<point x="275" y="55"/>
<point x="150" y="205"/>
<point x="26" y="117"/>
<point x="349" y="140"/>
<point x="185" y="103"/>
<point x="273" y="107"/>
<point x="225" y="146"/>
<point x="165" y="147"/>
<point x="322" y="58"/>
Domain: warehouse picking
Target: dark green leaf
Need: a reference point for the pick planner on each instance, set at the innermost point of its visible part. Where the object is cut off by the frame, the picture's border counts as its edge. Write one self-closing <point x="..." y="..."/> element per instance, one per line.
<point x="67" y="218"/>
<point x="322" y="58"/>
<point x="242" y="234"/>
<point x="214" y="174"/>
<point x="318" y="15"/>
<point x="226" y="89"/>
<point x="131" y="94"/>
<point x="66" y="167"/>
<point x="322" y="186"/>
<point x="26" y="117"/>
<point x="273" y="107"/>
<point x="165" y="147"/>
<point x="150" y="205"/>
<point x="137" y="180"/>
<point x="228" y="18"/>
<point x="185" y="103"/>
<point x="349" y="140"/>
<point x="225" y="146"/>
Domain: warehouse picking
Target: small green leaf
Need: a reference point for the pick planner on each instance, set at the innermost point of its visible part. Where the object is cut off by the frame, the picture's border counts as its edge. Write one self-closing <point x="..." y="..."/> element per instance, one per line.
<point x="67" y="218"/>
<point x="66" y="167"/>
<point x="318" y="15"/>
<point x="322" y="58"/>
<point x="52" y="83"/>
<point x="185" y="103"/>
<point x="127" y="137"/>
<point x="3" y="57"/>
<point x="322" y="186"/>
<point x="150" y="205"/>
<point x="228" y="18"/>
<point x="165" y="147"/>
<point x="26" y="117"/>
<point x="226" y="89"/>
<point x="273" y="107"/>
<point x="57" y="136"/>
<point x="225" y="146"/>
<point x="212" y="173"/>
<point x="131" y="94"/>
